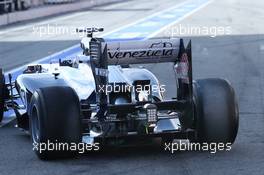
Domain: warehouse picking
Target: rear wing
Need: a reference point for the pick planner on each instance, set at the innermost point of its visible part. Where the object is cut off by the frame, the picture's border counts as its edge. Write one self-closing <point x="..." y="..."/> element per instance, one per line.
<point x="124" y="52"/>
<point x="139" y="52"/>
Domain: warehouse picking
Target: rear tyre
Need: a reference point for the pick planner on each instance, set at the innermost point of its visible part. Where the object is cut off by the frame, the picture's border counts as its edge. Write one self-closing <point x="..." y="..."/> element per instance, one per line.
<point x="2" y="94"/>
<point x="54" y="114"/>
<point x="216" y="111"/>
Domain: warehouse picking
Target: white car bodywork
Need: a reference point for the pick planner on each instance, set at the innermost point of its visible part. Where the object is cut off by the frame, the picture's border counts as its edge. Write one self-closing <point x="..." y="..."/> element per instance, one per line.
<point x="82" y="81"/>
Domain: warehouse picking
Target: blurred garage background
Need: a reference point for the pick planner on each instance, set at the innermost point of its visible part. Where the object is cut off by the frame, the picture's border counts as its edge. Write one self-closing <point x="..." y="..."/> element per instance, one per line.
<point x="13" y="11"/>
<point x="8" y="6"/>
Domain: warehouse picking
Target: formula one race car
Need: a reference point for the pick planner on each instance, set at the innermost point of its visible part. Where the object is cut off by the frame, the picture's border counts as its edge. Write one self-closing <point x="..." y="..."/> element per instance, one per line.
<point x="99" y="97"/>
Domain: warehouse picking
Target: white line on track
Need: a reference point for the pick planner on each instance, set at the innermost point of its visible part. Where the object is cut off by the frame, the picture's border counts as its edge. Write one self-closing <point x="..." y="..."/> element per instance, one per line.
<point x="176" y="21"/>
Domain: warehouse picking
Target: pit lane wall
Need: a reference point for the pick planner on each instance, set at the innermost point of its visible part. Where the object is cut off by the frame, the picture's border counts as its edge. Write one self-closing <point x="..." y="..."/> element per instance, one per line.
<point x="49" y="10"/>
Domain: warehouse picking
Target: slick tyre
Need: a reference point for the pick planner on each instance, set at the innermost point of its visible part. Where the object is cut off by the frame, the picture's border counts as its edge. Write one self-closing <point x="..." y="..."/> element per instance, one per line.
<point x="216" y="111"/>
<point x="54" y="114"/>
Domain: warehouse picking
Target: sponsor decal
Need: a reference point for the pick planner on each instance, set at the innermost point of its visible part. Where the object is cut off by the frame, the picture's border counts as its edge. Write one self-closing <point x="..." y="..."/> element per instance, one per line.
<point x="161" y="49"/>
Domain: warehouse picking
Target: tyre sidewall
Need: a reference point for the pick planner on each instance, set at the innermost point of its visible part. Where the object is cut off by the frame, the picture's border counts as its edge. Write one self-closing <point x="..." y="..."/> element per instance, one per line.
<point x="216" y="111"/>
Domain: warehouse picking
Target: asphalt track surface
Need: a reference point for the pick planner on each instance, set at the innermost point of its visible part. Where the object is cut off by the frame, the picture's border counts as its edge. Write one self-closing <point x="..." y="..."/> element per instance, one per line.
<point x="237" y="57"/>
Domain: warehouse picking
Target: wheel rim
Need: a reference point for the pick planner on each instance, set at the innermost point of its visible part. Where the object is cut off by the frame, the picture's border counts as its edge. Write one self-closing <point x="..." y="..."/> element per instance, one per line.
<point x="35" y="125"/>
